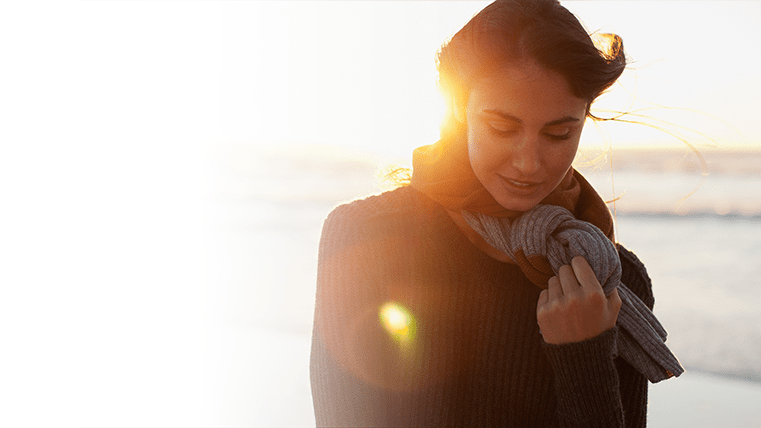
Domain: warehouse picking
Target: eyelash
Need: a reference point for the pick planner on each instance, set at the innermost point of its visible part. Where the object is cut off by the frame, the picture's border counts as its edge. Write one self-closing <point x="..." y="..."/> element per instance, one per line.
<point x="500" y="133"/>
<point x="507" y="133"/>
<point x="558" y="137"/>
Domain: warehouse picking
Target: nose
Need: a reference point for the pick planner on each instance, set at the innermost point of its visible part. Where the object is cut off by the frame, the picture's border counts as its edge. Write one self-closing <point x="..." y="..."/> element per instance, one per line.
<point x="526" y="156"/>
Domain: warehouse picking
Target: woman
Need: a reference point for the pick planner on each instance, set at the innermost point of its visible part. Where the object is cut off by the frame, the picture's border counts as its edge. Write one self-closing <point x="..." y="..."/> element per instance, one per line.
<point x="425" y="313"/>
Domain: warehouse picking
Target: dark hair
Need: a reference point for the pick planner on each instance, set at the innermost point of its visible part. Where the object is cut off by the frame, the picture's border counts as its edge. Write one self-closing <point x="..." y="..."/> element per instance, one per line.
<point x="511" y="31"/>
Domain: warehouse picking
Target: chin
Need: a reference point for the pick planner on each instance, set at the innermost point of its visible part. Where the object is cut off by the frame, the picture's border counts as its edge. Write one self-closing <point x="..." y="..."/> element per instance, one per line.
<point x="514" y="205"/>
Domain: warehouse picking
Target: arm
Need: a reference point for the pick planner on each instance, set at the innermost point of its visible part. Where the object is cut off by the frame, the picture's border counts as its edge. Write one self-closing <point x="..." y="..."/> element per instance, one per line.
<point x="355" y="374"/>
<point x="593" y="387"/>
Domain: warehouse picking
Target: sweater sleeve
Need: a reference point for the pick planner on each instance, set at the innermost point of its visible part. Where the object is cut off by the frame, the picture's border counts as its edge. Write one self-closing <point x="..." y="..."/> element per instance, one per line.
<point x="356" y="369"/>
<point x="595" y="387"/>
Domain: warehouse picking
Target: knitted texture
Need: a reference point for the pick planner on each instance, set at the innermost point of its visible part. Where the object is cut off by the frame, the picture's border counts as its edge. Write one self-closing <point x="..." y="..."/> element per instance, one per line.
<point x="547" y="237"/>
<point x="476" y="357"/>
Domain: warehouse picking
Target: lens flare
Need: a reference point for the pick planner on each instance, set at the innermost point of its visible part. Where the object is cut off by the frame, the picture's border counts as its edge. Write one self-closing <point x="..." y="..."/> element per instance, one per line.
<point x="398" y="321"/>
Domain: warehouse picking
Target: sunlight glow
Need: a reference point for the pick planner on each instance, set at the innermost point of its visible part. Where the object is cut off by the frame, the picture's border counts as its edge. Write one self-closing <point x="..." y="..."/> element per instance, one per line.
<point x="398" y="321"/>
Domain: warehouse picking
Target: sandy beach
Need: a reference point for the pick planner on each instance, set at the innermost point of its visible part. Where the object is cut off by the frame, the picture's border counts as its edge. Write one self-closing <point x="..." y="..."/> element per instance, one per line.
<point x="698" y="399"/>
<point x="276" y="387"/>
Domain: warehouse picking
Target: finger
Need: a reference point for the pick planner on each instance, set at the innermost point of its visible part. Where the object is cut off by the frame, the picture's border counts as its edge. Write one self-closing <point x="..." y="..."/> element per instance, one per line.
<point x="554" y="291"/>
<point x="568" y="280"/>
<point x="584" y="274"/>
<point x="544" y="297"/>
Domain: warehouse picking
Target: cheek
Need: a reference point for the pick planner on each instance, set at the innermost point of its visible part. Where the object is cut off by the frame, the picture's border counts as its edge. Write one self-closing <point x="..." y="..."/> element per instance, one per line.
<point x="479" y="152"/>
<point x="562" y="158"/>
<point x="570" y="151"/>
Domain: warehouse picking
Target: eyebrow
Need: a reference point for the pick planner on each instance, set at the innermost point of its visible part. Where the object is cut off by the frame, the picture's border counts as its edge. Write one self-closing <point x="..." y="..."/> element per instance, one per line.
<point x="516" y="120"/>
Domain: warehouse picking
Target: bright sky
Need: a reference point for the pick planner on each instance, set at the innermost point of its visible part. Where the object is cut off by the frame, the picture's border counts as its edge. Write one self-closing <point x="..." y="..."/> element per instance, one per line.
<point x="352" y="74"/>
<point x="361" y="74"/>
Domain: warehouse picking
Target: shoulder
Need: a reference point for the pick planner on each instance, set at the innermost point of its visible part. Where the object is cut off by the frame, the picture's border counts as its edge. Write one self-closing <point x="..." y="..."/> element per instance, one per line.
<point x="394" y="203"/>
<point x="387" y="210"/>
<point x="634" y="275"/>
<point x="397" y="212"/>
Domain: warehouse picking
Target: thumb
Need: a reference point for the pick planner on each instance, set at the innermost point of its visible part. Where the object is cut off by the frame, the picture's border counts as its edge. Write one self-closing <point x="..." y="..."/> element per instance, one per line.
<point x="614" y="300"/>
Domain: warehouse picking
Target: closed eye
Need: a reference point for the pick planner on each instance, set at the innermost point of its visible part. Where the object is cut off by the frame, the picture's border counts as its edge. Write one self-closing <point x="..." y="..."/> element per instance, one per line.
<point x="502" y="128"/>
<point x="559" y="133"/>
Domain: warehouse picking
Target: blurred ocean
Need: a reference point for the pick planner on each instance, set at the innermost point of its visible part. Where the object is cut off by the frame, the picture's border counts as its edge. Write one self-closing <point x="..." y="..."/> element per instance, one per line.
<point x="703" y="252"/>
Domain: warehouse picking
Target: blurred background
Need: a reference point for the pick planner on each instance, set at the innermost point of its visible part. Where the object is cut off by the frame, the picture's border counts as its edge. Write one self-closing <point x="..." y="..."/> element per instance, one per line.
<point x="165" y="168"/>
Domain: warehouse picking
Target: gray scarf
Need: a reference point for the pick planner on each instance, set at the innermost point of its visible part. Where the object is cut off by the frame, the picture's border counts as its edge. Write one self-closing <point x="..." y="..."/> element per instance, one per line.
<point x="553" y="232"/>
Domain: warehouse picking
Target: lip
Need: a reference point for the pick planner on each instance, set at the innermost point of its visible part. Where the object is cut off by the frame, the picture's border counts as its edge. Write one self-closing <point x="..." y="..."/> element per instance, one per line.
<point x="520" y="187"/>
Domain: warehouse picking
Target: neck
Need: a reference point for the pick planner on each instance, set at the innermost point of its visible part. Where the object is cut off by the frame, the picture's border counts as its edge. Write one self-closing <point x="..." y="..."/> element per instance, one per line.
<point x="477" y="240"/>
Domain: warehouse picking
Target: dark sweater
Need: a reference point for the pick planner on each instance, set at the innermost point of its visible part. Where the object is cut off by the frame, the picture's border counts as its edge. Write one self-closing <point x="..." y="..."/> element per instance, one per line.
<point x="474" y="355"/>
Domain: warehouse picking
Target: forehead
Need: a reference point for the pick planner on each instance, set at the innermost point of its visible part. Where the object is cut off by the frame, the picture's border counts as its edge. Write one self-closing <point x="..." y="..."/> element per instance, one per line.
<point x="527" y="91"/>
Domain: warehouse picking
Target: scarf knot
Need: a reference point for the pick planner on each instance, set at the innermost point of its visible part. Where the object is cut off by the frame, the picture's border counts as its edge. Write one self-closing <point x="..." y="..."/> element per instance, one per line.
<point x="547" y="237"/>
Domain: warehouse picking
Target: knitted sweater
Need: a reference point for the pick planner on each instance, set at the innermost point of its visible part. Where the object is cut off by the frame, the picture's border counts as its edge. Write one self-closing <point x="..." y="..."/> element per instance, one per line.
<point x="469" y="352"/>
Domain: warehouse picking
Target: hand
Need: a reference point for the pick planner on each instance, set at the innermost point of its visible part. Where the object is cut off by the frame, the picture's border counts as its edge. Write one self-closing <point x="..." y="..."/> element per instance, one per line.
<point x="574" y="308"/>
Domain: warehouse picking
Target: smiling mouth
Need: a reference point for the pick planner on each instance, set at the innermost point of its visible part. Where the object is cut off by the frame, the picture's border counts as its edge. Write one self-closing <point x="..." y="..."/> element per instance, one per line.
<point x="519" y="186"/>
<point x="519" y="183"/>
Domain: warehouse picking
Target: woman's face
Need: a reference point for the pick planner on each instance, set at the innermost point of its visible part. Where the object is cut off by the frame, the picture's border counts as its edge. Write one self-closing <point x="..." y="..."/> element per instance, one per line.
<point x="524" y="127"/>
